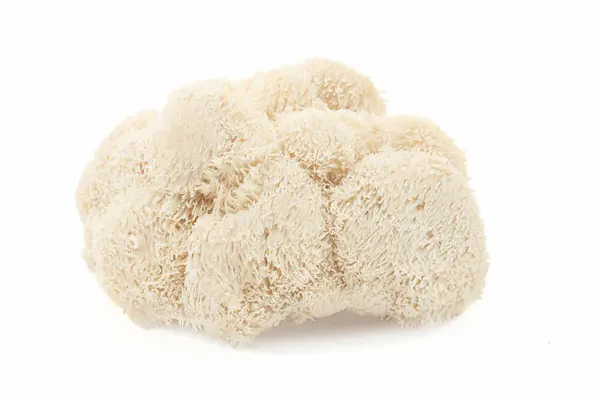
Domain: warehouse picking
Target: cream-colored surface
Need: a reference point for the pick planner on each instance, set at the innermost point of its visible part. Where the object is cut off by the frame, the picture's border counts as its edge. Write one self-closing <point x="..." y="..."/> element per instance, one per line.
<point x="288" y="195"/>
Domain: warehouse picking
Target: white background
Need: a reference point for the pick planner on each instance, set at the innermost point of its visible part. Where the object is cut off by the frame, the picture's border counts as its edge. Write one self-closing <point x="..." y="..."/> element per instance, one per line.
<point x="515" y="83"/>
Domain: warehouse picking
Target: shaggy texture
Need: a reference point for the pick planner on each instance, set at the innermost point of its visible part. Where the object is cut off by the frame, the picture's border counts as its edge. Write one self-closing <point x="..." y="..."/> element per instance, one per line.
<point x="287" y="195"/>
